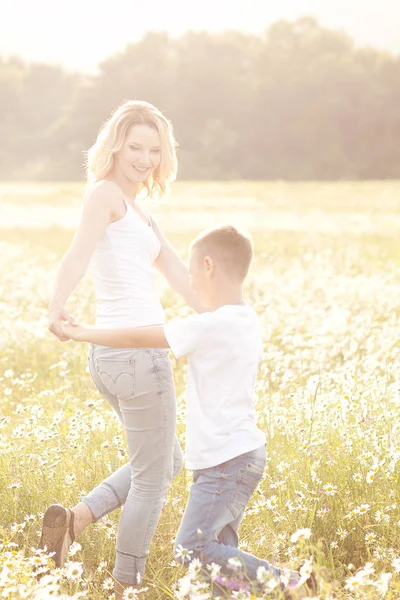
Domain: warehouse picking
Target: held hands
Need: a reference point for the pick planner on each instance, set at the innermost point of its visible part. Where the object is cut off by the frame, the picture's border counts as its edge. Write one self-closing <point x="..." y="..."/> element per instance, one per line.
<point x="73" y="331"/>
<point x="63" y="325"/>
<point x="58" y="316"/>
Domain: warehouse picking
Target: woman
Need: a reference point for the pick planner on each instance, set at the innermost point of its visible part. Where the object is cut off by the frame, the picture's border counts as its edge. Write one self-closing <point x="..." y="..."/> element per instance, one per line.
<point x="134" y="152"/>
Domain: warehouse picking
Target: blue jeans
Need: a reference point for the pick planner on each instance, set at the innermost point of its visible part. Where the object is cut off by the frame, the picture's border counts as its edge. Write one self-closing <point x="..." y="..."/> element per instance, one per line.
<point x="138" y="383"/>
<point x="217" y="501"/>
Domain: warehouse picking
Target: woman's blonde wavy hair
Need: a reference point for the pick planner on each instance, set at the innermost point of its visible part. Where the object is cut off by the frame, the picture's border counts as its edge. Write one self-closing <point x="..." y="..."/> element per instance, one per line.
<point x="112" y="134"/>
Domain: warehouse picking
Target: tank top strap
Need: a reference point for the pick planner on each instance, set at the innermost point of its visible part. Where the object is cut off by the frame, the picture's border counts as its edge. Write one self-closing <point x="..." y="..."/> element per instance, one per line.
<point x="125" y="201"/>
<point x="132" y="211"/>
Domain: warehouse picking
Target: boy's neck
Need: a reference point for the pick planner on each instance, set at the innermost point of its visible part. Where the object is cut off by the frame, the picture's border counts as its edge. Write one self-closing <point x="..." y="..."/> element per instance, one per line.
<point x="225" y="295"/>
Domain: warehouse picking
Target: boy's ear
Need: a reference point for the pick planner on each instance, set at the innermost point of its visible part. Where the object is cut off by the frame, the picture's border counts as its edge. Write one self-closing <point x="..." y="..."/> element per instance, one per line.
<point x="209" y="264"/>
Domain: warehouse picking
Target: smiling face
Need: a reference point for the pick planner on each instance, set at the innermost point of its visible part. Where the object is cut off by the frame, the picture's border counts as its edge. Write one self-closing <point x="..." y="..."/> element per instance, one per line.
<point x="140" y="154"/>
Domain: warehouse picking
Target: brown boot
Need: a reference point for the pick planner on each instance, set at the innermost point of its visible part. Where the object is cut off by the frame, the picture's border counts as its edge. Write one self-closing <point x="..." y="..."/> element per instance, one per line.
<point x="57" y="532"/>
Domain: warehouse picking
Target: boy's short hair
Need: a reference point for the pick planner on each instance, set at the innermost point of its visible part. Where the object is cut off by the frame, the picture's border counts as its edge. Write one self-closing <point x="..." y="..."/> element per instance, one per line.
<point x="231" y="249"/>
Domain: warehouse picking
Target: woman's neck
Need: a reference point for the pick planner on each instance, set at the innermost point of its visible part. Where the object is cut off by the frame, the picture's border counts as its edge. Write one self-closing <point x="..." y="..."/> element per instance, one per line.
<point x="128" y="188"/>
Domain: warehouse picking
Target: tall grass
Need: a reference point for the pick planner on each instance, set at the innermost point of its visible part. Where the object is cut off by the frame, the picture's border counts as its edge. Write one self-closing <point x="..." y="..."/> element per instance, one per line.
<point x="325" y="284"/>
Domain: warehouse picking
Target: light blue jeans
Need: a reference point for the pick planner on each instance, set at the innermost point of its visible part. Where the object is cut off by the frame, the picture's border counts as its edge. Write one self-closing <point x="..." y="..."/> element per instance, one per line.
<point x="217" y="501"/>
<point x="138" y="383"/>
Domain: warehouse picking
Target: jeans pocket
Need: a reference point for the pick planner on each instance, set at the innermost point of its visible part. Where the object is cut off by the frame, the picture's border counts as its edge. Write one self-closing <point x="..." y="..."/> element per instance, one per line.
<point x="248" y="478"/>
<point x="159" y="352"/>
<point x="116" y="371"/>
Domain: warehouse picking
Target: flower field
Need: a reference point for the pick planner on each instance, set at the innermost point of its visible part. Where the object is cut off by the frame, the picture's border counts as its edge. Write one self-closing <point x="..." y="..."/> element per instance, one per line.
<point x="325" y="283"/>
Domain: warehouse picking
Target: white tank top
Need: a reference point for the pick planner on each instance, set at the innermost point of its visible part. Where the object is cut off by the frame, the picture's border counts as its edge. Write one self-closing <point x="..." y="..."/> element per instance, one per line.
<point x="122" y="271"/>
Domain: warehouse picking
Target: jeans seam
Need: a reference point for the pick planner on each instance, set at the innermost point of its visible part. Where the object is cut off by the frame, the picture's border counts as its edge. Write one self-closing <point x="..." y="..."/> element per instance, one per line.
<point x="114" y="492"/>
<point x="89" y="505"/>
<point x="243" y="484"/>
<point x="210" y="508"/>
<point x="106" y="512"/>
<point x="128" y="563"/>
<point x="160" y="392"/>
<point x="130" y="555"/>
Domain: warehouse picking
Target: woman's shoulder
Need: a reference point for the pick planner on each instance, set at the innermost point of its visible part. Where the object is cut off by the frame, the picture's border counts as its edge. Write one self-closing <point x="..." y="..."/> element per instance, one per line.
<point x="105" y="190"/>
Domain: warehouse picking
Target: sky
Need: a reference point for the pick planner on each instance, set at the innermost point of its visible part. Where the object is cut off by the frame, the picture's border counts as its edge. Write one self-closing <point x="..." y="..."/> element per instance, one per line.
<point x="79" y="34"/>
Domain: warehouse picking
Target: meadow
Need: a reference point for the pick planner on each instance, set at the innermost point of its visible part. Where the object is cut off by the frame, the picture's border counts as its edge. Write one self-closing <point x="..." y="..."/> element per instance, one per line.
<point x="325" y="283"/>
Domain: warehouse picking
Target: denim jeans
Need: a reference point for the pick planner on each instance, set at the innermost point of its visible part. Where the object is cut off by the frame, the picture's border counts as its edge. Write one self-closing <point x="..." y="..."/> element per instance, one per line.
<point x="217" y="501"/>
<point x="138" y="383"/>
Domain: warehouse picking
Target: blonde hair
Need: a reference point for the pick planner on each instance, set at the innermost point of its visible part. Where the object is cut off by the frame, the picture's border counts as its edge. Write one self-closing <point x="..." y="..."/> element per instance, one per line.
<point x="231" y="249"/>
<point x="112" y="134"/>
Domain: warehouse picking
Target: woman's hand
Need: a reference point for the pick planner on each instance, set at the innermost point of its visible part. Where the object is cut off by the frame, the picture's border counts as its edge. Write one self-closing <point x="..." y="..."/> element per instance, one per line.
<point x="58" y="316"/>
<point x="73" y="332"/>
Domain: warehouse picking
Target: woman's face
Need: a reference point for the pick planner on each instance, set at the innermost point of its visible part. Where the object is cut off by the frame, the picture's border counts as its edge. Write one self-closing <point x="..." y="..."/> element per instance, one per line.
<point x="140" y="153"/>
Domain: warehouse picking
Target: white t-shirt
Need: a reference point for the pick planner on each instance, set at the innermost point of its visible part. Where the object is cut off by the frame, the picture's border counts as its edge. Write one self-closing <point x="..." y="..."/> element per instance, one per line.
<point x="224" y="348"/>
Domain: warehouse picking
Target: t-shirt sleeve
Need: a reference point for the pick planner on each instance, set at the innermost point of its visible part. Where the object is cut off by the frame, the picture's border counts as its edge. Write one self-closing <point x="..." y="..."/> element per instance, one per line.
<point x="185" y="335"/>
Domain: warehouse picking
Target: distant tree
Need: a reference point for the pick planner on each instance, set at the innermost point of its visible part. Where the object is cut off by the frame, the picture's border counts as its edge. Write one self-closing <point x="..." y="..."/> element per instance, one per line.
<point x="12" y="73"/>
<point x="33" y="98"/>
<point x="299" y="102"/>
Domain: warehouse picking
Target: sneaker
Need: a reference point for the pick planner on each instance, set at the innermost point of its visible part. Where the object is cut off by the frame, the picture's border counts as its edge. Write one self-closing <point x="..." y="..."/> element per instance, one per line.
<point x="311" y="585"/>
<point x="294" y="590"/>
<point x="57" y="532"/>
<point x="306" y="590"/>
<point x="231" y="583"/>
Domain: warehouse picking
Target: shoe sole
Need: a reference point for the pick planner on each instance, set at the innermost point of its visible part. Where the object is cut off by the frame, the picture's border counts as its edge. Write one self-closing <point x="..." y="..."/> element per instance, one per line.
<point x="57" y="532"/>
<point x="311" y="585"/>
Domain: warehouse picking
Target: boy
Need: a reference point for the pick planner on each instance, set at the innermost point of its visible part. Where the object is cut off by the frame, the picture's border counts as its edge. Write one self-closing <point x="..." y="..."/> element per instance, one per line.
<point x="224" y="447"/>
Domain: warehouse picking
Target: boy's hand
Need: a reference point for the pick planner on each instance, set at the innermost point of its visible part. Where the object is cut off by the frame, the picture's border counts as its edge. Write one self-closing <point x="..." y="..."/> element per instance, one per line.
<point x="58" y="315"/>
<point x="73" y="332"/>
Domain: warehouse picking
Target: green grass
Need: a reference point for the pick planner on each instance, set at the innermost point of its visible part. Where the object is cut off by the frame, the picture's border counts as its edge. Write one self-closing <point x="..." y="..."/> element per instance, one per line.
<point x="325" y="285"/>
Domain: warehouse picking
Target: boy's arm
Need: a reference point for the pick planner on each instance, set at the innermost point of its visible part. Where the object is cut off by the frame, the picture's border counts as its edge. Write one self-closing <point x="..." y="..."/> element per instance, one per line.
<point x="126" y="337"/>
<point x="176" y="272"/>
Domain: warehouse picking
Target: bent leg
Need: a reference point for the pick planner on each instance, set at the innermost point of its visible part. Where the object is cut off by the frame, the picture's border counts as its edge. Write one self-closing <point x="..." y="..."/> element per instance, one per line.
<point x="113" y="491"/>
<point x="216" y="504"/>
<point x="138" y="383"/>
<point x="149" y="417"/>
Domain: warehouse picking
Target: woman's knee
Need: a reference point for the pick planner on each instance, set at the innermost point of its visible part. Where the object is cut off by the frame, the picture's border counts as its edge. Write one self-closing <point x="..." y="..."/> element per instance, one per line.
<point x="156" y="474"/>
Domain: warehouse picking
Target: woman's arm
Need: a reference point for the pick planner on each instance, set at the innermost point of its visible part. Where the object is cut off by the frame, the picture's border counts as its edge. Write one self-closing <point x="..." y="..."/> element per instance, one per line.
<point x="97" y="213"/>
<point x="126" y="337"/>
<point x="176" y="272"/>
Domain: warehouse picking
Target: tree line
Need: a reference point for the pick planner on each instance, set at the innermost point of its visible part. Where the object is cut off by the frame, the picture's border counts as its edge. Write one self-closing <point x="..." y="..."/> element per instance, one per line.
<point x="300" y="102"/>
